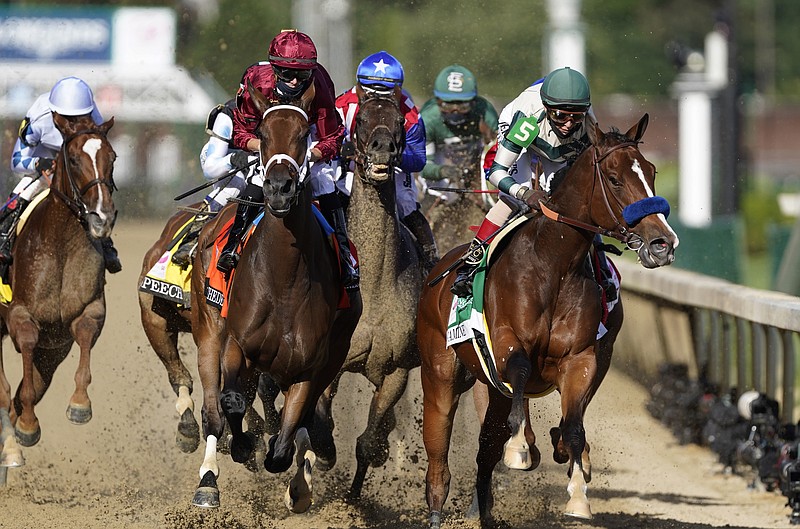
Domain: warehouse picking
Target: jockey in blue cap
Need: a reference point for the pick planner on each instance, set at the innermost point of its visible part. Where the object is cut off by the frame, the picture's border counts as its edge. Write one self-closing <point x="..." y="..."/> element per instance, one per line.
<point x="382" y="73"/>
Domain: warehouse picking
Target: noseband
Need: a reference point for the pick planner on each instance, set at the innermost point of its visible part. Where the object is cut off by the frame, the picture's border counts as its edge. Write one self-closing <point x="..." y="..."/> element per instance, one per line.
<point x="299" y="172"/>
<point x="75" y="202"/>
<point x="631" y="214"/>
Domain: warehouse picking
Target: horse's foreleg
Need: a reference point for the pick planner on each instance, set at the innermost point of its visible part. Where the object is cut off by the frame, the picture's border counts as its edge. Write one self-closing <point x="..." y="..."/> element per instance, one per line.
<point x="494" y="433"/>
<point x="576" y="390"/>
<point x="207" y="493"/>
<point x="517" y="451"/>
<point x="321" y="429"/>
<point x="11" y="454"/>
<point x="233" y="400"/>
<point x="85" y="330"/>
<point x="25" y="334"/>
<point x="299" y="399"/>
<point x="159" y="321"/>
<point x="298" y="497"/>
<point x="372" y="446"/>
<point x="268" y="392"/>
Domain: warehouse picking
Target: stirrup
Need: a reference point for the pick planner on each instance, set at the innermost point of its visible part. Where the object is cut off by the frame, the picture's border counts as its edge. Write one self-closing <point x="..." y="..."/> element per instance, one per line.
<point x="227" y="262"/>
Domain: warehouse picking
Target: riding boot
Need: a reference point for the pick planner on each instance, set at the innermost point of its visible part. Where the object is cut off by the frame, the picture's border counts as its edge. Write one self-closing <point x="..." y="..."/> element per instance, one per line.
<point x="418" y="224"/>
<point x="350" y="273"/>
<point x="111" y="256"/>
<point x="462" y="287"/>
<point x="229" y="257"/>
<point x="183" y="255"/>
<point x="8" y="229"/>
<point x="606" y="283"/>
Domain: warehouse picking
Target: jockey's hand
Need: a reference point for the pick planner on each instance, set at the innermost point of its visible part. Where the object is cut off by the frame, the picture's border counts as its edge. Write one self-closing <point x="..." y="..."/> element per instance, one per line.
<point x="449" y="172"/>
<point x="240" y="160"/>
<point x="531" y="196"/>
<point x="348" y="150"/>
<point x="45" y="166"/>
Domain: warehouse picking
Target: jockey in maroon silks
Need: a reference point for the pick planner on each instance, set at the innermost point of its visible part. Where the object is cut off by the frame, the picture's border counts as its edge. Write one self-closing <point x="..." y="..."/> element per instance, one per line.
<point x="290" y="71"/>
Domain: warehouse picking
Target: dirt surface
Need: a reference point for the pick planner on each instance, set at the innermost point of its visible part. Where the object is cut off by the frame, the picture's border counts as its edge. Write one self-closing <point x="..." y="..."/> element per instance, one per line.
<point x="122" y="470"/>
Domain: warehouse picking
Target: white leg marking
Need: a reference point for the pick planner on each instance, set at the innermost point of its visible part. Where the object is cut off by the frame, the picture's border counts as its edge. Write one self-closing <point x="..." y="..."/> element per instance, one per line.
<point x="210" y="459"/>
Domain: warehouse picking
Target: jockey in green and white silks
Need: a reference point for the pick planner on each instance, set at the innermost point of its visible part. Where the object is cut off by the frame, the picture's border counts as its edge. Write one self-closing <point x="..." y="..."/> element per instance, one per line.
<point x="459" y="124"/>
<point x="546" y="125"/>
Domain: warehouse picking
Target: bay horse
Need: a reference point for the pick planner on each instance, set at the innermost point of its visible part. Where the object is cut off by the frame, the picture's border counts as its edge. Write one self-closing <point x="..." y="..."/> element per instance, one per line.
<point x="163" y="321"/>
<point x="58" y="280"/>
<point x="383" y="348"/>
<point x="542" y="311"/>
<point x="283" y="312"/>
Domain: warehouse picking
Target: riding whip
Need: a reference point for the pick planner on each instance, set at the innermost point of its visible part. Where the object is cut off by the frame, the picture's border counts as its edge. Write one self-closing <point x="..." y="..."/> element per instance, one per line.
<point x="214" y="181"/>
<point x="463" y="191"/>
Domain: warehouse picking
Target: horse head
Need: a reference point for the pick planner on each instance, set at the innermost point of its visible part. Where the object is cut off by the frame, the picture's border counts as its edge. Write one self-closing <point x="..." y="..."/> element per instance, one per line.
<point x="284" y="135"/>
<point x="379" y="135"/>
<point x="84" y="172"/>
<point x="623" y="200"/>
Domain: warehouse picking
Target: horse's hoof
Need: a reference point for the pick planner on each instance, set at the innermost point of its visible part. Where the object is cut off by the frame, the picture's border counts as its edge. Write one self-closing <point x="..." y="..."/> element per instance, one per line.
<point x="324" y="464"/>
<point x="28" y="439"/>
<point x="188" y="435"/>
<point x="79" y="414"/>
<point x="435" y="520"/>
<point x="206" y="497"/>
<point x="578" y="509"/>
<point x="517" y="457"/>
<point x="242" y="447"/>
<point x="253" y="463"/>
<point x="12" y="459"/>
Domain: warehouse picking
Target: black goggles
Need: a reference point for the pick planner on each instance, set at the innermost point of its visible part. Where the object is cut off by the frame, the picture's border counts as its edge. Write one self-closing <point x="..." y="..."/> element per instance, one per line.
<point x="459" y="107"/>
<point x="287" y="74"/>
<point x="562" y="117"/>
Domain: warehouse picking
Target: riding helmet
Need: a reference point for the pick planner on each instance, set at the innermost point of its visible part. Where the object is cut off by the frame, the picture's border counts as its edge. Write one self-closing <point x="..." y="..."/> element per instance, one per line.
<point x="380" y="69"/>
<point x="293" y="49"/>
<point x="71" y="97"/>
<point x="566" y="88"/>
<point x="455" y="83"/>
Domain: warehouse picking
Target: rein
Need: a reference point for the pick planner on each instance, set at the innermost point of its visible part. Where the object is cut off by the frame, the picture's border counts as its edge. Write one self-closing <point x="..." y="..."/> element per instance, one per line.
<point x="75" y="203"/>
<point x="619" y="232"/>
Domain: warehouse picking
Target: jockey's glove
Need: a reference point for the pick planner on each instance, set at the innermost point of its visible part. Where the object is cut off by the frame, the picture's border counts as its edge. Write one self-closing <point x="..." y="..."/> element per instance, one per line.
<point x="240" y="160"/>
<point x="44" y="164"/>
<point x="530" y="196"/>
<point x="449" y="172"/>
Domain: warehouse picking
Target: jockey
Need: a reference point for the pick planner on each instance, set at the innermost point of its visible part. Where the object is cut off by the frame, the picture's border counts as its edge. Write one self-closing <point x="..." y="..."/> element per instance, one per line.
<point x="382" y="73"/>
<point x="217" y="159"/>
<point x="35" y="152"/>
<point x="291" y="69"/>
<point x="547" y="123"/>
<point x="456" y="117"/>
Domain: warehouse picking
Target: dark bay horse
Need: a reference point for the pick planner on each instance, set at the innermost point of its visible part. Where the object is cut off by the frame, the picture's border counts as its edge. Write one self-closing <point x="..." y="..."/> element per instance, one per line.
<point x="384" y="346"/>
<point x="283" y="317"/>
<point x="58" y="278"/>
<point x="542" y="311"/>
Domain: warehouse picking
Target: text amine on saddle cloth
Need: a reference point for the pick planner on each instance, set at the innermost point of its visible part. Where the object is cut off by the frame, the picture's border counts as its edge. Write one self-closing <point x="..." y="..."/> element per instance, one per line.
<point x="466" y="314"/>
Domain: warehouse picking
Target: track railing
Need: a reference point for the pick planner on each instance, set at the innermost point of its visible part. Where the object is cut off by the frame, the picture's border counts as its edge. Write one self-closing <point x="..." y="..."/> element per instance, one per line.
<point x="735" y="336"/>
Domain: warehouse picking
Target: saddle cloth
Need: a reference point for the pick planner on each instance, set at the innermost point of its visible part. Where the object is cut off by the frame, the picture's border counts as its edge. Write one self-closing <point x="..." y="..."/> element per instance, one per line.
<point x="217" y="288"/>
<point x="467" y="320"/>
<point x="168" y="280"/>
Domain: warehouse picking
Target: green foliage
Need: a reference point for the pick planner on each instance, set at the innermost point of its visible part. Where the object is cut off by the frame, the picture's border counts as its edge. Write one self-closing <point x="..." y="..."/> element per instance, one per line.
<point x="759" y="209"/>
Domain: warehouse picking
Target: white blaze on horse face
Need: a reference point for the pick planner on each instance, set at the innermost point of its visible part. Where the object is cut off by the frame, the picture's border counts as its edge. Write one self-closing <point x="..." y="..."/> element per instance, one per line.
<point x="91" y="148"/>
<point x="637" y="168"/>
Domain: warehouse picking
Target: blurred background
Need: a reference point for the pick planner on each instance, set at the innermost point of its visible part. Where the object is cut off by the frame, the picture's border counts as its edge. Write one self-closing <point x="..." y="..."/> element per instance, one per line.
<point x="719" y="78"/>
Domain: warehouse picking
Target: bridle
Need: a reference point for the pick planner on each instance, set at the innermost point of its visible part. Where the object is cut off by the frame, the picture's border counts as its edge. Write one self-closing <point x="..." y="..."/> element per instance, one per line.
<point x="362" y="158"/>
<point x="621" y="230"/>
<point x="299" y="172"/>
<point x="75" y="203"/>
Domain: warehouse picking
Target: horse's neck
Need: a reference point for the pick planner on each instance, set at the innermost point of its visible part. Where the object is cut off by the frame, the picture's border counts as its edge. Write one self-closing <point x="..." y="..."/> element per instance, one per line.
<point x="373" y="224"/>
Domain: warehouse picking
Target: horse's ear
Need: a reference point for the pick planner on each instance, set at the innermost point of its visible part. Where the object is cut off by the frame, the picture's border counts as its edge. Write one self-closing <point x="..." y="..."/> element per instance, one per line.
<point x="63" y="125"/>
<point x="105" y="127"/>
<point x="596" y="135"/>
<point x="308" y="97"/>
<point x="637" y="131"/>
<point x="362" y="95"/>
<point x="398" y="94"/>
<point x="259" y="100"/>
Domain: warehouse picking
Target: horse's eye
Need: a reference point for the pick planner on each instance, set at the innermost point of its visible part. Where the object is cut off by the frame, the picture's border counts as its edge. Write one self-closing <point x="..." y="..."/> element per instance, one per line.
<point x="614" y="180"/>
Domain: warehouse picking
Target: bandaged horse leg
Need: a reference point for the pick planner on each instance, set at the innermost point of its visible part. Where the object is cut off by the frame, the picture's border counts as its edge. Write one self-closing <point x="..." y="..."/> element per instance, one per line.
<point x="298" y="497"/>
<point x="11" y="454"/>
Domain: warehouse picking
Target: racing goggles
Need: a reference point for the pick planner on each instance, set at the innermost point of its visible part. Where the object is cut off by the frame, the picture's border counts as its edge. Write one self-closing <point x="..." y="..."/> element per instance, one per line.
<point x="287" y="74"/>
<point x="458" y="107"/>
<point x="562" y="117"/>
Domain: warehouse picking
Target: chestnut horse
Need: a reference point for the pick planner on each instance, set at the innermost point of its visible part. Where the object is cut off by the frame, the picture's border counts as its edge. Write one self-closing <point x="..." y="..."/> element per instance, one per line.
<point x="58" y="277"/>
<point x="283" y="313"/>
<point x="542" y="311"/>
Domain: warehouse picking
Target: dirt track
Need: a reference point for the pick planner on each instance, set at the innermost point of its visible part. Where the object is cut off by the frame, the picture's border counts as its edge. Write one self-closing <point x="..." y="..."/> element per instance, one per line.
<point x="122" y="470"/>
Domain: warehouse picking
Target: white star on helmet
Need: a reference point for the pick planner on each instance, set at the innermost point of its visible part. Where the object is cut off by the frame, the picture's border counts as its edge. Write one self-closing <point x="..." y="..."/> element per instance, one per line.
<point x="380" y="66"/>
